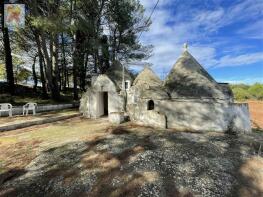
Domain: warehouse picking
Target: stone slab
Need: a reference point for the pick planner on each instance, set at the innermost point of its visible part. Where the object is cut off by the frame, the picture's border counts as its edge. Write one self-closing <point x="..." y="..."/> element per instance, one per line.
<point x="37" y="122"/>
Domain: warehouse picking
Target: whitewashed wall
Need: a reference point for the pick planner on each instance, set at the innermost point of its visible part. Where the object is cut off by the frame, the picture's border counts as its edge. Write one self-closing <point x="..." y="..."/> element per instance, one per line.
<point x="18" y="110"/>
<point x="206" y="116"/>
<point x="115" y="102"/>
<point x="240" y="118"/>
<point x="195" y="115"/>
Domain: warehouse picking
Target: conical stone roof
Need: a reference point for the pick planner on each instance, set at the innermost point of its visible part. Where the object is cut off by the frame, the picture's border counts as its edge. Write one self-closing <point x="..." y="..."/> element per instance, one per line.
<point x="115" y="74"/>
<point x="149" y="85"/>
<point x="188" y="79"/>
<point x="147" y="77"/>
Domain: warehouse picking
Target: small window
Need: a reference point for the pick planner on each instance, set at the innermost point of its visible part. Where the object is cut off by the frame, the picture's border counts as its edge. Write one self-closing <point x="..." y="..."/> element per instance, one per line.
<point x="127" y="85"/>
<point x="150" y="105"/>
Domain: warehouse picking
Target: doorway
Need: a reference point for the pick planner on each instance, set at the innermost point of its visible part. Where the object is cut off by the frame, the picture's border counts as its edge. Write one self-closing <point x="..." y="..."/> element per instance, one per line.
<point x="102" y="104"/>
<point x="106" y="103"/>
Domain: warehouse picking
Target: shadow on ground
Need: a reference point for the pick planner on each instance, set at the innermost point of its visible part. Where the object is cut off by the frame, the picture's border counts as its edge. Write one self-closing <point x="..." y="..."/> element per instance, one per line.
<point x="139" y="161"/>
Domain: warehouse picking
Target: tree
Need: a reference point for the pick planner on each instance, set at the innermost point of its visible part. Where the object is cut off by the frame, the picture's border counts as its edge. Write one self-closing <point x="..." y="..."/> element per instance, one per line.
<point x="246" y="92"/>
<point x="23" y="75"/>
<point x="106" y="31"/>
<point x="47" y="20"/>
<point x="126" y="22"/>
<point x="70" y="40"/>
<point x="2" y="72"/>
<point x="240" y="94"/>
<point x="256" y="91"/>
<point x="8" y="56"/>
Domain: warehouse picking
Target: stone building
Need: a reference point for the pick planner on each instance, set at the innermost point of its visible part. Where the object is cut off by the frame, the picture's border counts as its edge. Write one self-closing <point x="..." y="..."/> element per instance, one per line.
<point x="188" y="99"/>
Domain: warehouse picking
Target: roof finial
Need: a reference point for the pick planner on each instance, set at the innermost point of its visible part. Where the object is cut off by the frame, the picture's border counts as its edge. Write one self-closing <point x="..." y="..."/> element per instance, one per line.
<point x="186" y="46"/>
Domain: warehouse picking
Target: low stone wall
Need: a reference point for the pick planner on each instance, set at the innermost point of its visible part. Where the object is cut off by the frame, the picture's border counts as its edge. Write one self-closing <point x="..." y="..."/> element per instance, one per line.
<point x="154" y="119"/>
<point x="240" y="122"/>
<point x="36" y="122"/>
<point x="116" y="117"/>
<point x="193" y="115"/>
<point x="205" y="116"/>
<point x="42" y="108"/>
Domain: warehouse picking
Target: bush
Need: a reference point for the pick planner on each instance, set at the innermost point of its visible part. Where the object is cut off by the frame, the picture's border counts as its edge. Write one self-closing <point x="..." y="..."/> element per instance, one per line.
<point x="256" y="91"/>
<point x="246" y="92"/>
<point x="241" y="94"/>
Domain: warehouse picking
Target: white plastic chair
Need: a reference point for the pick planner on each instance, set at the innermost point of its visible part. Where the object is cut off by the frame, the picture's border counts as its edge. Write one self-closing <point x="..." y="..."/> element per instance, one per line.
<point x="29" y="106"/>
<point x="6" y="107"/>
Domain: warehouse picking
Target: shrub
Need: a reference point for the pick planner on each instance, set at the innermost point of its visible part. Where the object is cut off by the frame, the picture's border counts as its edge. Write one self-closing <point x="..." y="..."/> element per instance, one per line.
<point x="256" y="91"/>
<point x="245" y="92"/>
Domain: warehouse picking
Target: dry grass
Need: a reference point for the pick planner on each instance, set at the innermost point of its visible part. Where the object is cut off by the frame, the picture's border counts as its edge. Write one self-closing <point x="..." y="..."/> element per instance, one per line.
<point x="256" y="113"/>
<point x="252" y="173"/>
<point x="22" y="145"/>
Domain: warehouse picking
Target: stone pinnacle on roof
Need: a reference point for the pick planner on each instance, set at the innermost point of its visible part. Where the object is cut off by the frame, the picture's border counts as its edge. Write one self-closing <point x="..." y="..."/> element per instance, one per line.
<point x="186" y="46"/>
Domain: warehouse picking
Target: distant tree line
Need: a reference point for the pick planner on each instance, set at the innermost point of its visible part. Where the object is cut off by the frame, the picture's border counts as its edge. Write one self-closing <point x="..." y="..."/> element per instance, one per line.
<point x="68" y="41"/>
<point x="247" y="92"/>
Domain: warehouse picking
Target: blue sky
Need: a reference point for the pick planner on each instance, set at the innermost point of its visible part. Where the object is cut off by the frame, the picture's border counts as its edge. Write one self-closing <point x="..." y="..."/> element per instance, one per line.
<point x="225" y="36"/>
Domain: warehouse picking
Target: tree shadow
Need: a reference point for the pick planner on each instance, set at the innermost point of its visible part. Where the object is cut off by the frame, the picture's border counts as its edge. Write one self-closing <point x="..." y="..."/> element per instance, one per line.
<point x="257" y="127"/>
<point x="11" y="174"/>
<point x="132" y="161"/>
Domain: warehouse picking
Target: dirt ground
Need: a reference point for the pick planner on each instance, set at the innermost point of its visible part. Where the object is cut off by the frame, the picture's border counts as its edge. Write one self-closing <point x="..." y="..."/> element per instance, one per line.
<point x="80" y="157"/>
<point x="256" y="112"/>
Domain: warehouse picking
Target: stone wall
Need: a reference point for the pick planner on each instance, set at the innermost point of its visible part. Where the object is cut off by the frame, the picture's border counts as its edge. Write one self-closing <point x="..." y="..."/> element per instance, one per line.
<point x="42" y="108"/>
<point x="92" y="104"/>
<point x="115" y="102"/>
<point x="116" y="117"/>
<point x="206" y="116"/>
<point x="193" y="115"/>
<point x="240" y="122"/>
<point x="154" y="119"/>
<point x="139" y="114"/>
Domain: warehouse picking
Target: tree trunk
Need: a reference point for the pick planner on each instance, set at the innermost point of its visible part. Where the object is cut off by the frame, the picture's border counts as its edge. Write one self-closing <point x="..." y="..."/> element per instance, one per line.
<point x="64" y="69"/>
<point x="8" y="56"/>
<point x="75" y="77"/>
<point x="42" y="76"/>
<point x="55" y="73"/>
<point x="78" y="63"/>
<point x="50" y="58"/>
<point x="41" y="66"/>
<point x="34" y="74"/>
<point x="53" y="86"/>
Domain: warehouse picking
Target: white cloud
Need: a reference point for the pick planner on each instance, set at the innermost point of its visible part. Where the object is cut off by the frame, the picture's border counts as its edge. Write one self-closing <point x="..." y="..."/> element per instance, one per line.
<point x="254" y="30"/>
<point x="245" y="59"/>
<point x="176" y="22"/>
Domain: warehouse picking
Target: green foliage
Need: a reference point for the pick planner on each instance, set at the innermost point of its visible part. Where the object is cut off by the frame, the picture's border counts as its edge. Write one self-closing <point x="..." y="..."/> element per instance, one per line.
<point x="256" y="91"/>
<point x="2" y="71"/>
<point x="22" y="75"/>
<point x="71" y="40"/>
<point x="240" y="93"/>
<point x="246" y="92"/>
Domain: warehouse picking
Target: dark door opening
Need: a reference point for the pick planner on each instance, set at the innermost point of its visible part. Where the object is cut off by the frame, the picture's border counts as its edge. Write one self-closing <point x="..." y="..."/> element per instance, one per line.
<point x="105" y="100"/>
<point x="150" y="105"/>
